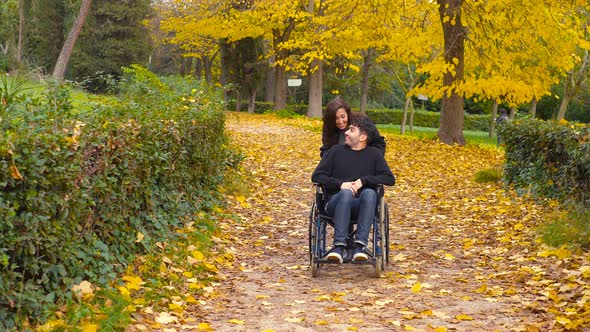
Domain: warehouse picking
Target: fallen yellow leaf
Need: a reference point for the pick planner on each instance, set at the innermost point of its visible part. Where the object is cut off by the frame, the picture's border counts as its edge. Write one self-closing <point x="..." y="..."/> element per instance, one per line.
<point x="236" y="321"/>
<point x="449" y="257"/>
<point x="416" y="287"/>
<point x="463" y="317"/>
<point x="166" y="318"/>
<point x="294" y="319"/>
<point x="87" y="327"/>
<point x="204" y="326"/>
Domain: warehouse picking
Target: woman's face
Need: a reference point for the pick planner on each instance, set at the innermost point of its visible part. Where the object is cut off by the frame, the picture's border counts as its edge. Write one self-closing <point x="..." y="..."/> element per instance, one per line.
<point x="341" y="119"/>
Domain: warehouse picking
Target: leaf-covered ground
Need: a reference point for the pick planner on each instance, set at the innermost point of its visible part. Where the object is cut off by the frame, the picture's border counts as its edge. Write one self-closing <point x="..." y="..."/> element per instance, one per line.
<point x="464" y="254"/>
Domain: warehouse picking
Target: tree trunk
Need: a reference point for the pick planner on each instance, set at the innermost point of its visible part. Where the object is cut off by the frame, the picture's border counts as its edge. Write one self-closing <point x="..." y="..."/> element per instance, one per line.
<point x="61" y="65"/>
<point x="451" y="115"/>
<point x="280" y="88"/>
<point x="533" y="109"/>
<point x="182" y="68"/>
<point x="402" y="128"/>
<point x="492" y="130"/>
<point x="21" y="28"/>
<point x="225" y="59"/>
<point x="198" y="68"/>
<point x="280" y="72"/>
<point x="412" y="111"/>
<point x="269" y="82"/>
<point x="315" y="91"/>
<point x="188" y="64"/>
<point x="238" y="100"/>
<point x="571" y="87"/>
<point x="207" y="68"/>
<point x="512" y="112"/>
<point x="367" y="63"/>
<point x="252" y="101"/>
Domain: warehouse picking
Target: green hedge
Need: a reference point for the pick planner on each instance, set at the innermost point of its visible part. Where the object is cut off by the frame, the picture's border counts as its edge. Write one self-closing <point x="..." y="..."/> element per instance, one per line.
<point x="263" y="107"/>
<point x="427" y="119"/>
<point x="548" y="159"/>
<point x="382" y="116"/>
<point x="78" y="188"/>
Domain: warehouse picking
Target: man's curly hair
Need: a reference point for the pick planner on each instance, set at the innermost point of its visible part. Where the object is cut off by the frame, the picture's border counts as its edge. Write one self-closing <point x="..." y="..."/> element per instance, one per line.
<point x="365" y="125"/>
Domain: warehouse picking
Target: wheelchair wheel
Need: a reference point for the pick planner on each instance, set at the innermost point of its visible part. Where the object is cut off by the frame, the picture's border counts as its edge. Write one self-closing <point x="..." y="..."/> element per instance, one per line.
<point x="382" y="238"/>
<point x="386" y="233"/>
<point x="313" y="241"/>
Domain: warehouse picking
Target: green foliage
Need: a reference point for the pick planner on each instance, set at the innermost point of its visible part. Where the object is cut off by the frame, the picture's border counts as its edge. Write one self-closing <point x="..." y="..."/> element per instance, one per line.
<point x="11" y="92"/>
<point x="568" y="228"/>
<point x="113" y="37"/>
<point x="78" y="187"/>
<point x="488" y="175"/>
<point x="427" y="119"/>
<point x="300" y="109"/>
<point x="46" y="36"/>
<point x="259" y="107"/>
<point x="548" y="159"/>
<point x="288" y="114"/>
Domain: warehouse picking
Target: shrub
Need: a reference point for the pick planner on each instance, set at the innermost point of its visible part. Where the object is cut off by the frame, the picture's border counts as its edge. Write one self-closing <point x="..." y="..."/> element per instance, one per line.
<point x="427" y="119"/>
<point x="488" y="175"/>
<point x="78" y="188"/>
<point x="569" y="228"/>
<point x="300" y="109"/>
<point x="286" y="114"/>
<point x="548" y="159"/>
<point x="259" y="108"/>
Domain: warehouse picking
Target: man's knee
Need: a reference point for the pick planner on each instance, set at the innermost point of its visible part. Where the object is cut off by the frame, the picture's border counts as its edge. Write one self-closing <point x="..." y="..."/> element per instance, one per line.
<point x="346" y="196"/>
<point x="369" y="196"/>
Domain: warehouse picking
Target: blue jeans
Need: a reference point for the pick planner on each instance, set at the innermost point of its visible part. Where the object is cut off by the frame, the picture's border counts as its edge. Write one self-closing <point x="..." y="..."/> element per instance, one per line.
<point x="344" y="207"/>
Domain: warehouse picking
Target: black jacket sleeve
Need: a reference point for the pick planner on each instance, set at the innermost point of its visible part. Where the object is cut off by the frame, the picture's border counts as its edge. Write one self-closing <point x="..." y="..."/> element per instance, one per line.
<point x="383" y="174"/>
<point x="323" y="173"/>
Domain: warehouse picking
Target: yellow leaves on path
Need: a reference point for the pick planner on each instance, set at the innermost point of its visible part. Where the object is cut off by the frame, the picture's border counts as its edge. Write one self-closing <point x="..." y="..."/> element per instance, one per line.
<point x="463" y="254"/>
<point x="561" y="253"/>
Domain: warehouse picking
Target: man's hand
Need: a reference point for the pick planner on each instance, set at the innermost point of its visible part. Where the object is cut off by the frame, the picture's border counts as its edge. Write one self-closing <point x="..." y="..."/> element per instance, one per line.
<point x="350" y="186"/>
<point x="357" y="185"/>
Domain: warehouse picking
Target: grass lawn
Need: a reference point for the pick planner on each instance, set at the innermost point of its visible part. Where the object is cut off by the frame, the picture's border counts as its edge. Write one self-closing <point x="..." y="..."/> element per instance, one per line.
<point x="81" y="100"/>
<point x="472" y="137"/>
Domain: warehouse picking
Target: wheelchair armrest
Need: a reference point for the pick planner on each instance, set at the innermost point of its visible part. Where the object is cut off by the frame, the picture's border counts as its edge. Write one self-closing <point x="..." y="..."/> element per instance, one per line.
<point x="319" y="189"/>
<point x="380" y="190"/>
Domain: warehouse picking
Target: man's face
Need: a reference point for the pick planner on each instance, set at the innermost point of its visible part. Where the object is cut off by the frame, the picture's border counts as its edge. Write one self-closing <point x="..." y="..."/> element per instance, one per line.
<point x="353" y="136"/>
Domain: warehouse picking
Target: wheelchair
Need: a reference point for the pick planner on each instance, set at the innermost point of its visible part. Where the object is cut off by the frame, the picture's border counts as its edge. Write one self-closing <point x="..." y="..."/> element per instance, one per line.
<point x="377" y="249"/>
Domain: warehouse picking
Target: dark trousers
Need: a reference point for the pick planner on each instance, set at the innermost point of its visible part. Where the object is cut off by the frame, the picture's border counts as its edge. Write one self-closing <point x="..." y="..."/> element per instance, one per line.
<point x="344" y="207"/>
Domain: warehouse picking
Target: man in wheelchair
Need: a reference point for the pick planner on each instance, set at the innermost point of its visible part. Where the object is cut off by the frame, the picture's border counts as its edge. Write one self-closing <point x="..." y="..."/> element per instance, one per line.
<point x="350" y="174"/>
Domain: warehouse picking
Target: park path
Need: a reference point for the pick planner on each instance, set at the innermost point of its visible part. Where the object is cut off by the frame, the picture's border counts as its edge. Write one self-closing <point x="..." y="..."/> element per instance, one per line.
<point x="464" y="256"/>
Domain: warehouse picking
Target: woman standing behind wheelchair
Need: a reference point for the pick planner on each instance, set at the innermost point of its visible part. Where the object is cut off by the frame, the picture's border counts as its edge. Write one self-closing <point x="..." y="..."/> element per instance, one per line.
<point x="336" y="120"/>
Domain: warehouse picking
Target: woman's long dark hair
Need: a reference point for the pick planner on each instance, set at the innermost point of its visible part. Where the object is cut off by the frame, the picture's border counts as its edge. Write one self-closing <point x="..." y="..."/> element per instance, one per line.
<point x="329" y="129"/>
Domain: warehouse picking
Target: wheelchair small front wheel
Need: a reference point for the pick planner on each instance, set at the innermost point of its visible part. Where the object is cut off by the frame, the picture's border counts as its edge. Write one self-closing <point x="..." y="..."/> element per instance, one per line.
<point x="315" y="269"/>
<point x="379" y="266"/>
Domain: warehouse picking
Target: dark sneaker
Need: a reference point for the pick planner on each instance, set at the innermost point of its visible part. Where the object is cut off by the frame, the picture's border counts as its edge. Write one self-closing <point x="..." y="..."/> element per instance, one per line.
<point x="336" y="254"/>
<point x="358" y="254"/>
